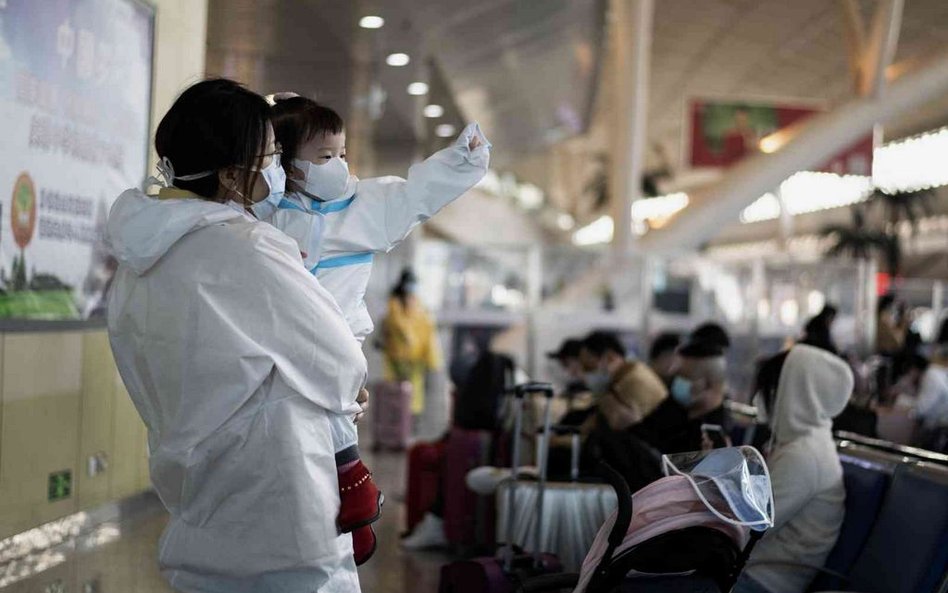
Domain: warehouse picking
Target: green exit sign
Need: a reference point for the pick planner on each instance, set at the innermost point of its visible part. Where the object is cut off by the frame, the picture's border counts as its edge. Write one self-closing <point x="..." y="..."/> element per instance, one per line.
<point x="60" y="485"/>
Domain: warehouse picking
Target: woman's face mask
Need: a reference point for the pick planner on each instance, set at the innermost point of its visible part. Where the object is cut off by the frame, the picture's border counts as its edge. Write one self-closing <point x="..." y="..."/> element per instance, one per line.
<point x="275" y="178"/>
<point x="328" y="181"/>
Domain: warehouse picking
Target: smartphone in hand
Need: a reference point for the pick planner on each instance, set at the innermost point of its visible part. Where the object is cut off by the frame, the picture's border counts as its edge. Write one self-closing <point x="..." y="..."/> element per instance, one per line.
<point x="715" y="434"/>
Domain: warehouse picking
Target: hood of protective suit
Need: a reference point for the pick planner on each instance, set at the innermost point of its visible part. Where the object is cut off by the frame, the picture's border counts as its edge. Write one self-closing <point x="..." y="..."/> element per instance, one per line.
<point x="814" y="387"/>
<point x="141" y="228"/>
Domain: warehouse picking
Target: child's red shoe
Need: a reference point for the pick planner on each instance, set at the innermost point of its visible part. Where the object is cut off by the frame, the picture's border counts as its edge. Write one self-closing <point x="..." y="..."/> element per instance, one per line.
<point x="360" y="502"/>
<point x="363" y="544"/>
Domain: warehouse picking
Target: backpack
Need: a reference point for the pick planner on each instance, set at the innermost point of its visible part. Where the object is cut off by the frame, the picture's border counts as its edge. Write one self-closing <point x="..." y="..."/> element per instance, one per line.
<point x="480" y="395"/>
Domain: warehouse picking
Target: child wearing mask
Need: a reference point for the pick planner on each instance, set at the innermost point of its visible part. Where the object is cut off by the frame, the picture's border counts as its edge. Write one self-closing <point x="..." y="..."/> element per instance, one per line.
<point x="340" y="222"/>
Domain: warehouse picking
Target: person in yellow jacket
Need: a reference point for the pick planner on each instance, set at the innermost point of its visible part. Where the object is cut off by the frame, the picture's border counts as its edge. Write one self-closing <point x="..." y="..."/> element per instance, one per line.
<point x="409" y="340"/>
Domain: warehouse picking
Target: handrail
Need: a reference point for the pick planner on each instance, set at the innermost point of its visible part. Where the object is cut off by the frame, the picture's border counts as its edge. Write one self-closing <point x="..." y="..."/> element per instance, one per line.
<point x="890" y="447"/>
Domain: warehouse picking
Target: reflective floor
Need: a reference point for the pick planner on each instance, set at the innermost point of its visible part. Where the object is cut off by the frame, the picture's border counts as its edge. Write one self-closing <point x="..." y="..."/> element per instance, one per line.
<point x="119" y="555"/>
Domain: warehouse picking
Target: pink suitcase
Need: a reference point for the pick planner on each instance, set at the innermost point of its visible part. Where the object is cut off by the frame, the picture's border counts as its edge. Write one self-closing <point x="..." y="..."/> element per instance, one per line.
<point x="391" y="415"/>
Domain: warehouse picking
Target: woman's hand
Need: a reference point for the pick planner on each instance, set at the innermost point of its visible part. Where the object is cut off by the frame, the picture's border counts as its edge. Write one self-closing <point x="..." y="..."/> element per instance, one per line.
<point x="363" y="401"/>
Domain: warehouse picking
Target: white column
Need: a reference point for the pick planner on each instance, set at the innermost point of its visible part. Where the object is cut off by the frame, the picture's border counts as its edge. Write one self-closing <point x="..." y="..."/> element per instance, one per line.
<point x="632" y="44"/>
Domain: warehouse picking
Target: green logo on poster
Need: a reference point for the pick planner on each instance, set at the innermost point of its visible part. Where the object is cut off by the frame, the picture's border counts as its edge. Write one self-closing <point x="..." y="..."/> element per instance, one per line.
<point x="60" y="485"/>
<point x="23" y="210"/>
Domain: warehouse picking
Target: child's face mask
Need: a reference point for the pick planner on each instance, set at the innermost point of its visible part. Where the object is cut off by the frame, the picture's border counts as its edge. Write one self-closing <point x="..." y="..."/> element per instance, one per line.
<point x="328" y="181"/>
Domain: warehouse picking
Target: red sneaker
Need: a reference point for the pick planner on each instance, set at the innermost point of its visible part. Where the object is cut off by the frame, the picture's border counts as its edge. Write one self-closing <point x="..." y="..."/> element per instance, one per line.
<point x="363" y="544"/>
<point x="360" y="502"/>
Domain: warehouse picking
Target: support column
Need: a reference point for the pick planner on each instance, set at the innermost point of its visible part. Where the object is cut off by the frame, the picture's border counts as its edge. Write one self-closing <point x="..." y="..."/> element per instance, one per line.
<point x="632" y="44"/>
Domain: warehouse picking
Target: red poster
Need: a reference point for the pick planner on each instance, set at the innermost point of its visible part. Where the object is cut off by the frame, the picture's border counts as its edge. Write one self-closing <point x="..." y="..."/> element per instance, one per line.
<point x="724" y="132"/>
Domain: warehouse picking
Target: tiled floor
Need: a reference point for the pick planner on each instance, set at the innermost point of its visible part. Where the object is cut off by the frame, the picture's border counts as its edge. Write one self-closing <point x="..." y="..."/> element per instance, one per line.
<point x="120" y="557"/>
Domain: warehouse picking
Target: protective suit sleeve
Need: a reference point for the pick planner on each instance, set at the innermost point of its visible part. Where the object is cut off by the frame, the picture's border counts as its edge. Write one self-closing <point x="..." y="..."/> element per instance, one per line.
<point x="299" y="325"/>
<point x="386" y="209"/>
<point x="792" y="475"/>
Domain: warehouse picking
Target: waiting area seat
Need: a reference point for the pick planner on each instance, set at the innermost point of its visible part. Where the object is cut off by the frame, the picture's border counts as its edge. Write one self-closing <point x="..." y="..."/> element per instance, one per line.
<point x="894" y="538"/>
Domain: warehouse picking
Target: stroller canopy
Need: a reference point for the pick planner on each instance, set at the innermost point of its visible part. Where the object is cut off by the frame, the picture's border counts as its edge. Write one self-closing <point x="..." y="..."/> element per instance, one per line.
<point x="727" y="490"/>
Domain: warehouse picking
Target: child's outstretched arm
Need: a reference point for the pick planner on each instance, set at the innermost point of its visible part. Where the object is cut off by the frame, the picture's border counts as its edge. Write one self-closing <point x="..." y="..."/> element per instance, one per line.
<point x="386" y="209"/>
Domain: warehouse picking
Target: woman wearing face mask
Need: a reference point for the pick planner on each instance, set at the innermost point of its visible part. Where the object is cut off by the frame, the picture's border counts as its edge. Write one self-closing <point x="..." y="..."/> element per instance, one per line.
<point x="235" y="358"/>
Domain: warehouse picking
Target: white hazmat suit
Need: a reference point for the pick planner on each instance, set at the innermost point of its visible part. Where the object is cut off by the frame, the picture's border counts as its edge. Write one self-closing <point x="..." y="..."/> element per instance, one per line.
<point x="340" y="237"/>
<point x="235" y="358"/>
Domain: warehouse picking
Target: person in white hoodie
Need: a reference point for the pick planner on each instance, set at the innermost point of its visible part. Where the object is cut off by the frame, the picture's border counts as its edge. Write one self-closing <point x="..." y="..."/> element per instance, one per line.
<point x="235" y="357"/>
<point x="802" y="391"/>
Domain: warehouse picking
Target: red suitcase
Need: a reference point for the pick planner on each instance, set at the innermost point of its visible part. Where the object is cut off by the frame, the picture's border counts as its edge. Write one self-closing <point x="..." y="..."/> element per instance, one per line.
<point x="464" y="510"/>
<point x="425" y="462"/>
<point x="391" y="415"/>
<point x="504" y="572"/>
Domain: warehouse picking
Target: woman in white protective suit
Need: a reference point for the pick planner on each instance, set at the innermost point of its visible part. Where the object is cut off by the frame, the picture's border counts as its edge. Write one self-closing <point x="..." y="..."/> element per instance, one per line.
<point x="235" y="358"/>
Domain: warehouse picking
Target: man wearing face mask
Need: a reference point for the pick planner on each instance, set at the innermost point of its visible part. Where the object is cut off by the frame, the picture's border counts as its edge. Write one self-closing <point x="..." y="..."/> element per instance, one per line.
<point x="617" y="383"/>
<point x="700" y="385"/>
<point x="629" y="395"/>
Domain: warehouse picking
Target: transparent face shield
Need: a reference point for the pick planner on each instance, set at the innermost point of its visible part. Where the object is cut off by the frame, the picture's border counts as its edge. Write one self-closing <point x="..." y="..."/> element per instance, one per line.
<point x="734" y="483"/>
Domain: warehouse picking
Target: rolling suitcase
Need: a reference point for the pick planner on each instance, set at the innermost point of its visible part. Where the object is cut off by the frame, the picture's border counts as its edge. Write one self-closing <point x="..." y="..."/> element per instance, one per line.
<point x="503" y="573"/>
<point x="391" y="416"/>
<point x="464" y="510"/>
<point x="425" y="463"/>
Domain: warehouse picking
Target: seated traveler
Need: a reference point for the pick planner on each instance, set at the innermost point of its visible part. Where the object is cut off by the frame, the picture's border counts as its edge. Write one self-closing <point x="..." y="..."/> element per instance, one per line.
<point x="808" y="387"/>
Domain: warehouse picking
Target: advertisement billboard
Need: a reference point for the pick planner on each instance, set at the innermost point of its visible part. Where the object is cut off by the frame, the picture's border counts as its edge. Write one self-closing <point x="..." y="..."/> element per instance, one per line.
<point x="75" y="101"/>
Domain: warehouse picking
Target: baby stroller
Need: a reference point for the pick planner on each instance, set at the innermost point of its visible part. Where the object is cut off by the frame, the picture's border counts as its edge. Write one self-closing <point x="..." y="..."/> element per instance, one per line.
<point x="692" y="530"/>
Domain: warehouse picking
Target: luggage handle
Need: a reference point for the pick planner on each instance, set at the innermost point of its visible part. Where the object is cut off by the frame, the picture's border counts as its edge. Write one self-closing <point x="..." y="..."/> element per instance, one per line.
<point x="534" y="387"/>
<point x="519" y="393"/>
<point x="575" y="434"/>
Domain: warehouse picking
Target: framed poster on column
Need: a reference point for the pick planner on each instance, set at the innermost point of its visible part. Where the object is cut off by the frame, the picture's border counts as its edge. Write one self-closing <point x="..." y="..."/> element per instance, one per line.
<point x="75" y="105"/>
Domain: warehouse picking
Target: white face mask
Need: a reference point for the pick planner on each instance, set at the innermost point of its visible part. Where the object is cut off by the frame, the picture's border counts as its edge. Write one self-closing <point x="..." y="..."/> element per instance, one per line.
<point x="275" y="177"/>
<point x="598" y="381"/>
<point x="329" y="181"/>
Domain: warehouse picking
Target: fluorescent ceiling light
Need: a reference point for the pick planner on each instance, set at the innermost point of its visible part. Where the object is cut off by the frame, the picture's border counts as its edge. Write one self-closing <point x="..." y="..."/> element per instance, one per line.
<point x="371" y="22"/>
<point x="565" y="222"/>
<point x="810" y="191"/>
<point x="433" y="111"/>
<point x="444" y="131"/>
<point x="595" y="233"/>
<point x="658" y="208"/>
<point x="397" y="59"/>
<point x="912" y="164"/>
<point x="418" y="88"/>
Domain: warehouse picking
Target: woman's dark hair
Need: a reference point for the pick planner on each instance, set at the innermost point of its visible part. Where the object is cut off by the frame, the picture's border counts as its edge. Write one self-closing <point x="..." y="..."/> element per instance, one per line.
<point x="213" y="125"/>
<point x="817" y="331"/>
<point x="401" y="288"/>
<point x="297" y="120"/>
<point x="768" y="378"/>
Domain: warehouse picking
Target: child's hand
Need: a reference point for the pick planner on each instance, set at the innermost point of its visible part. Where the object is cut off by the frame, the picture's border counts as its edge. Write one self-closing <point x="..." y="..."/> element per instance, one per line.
<point x="363" y="401"/>
<point x="474" y="143"/>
